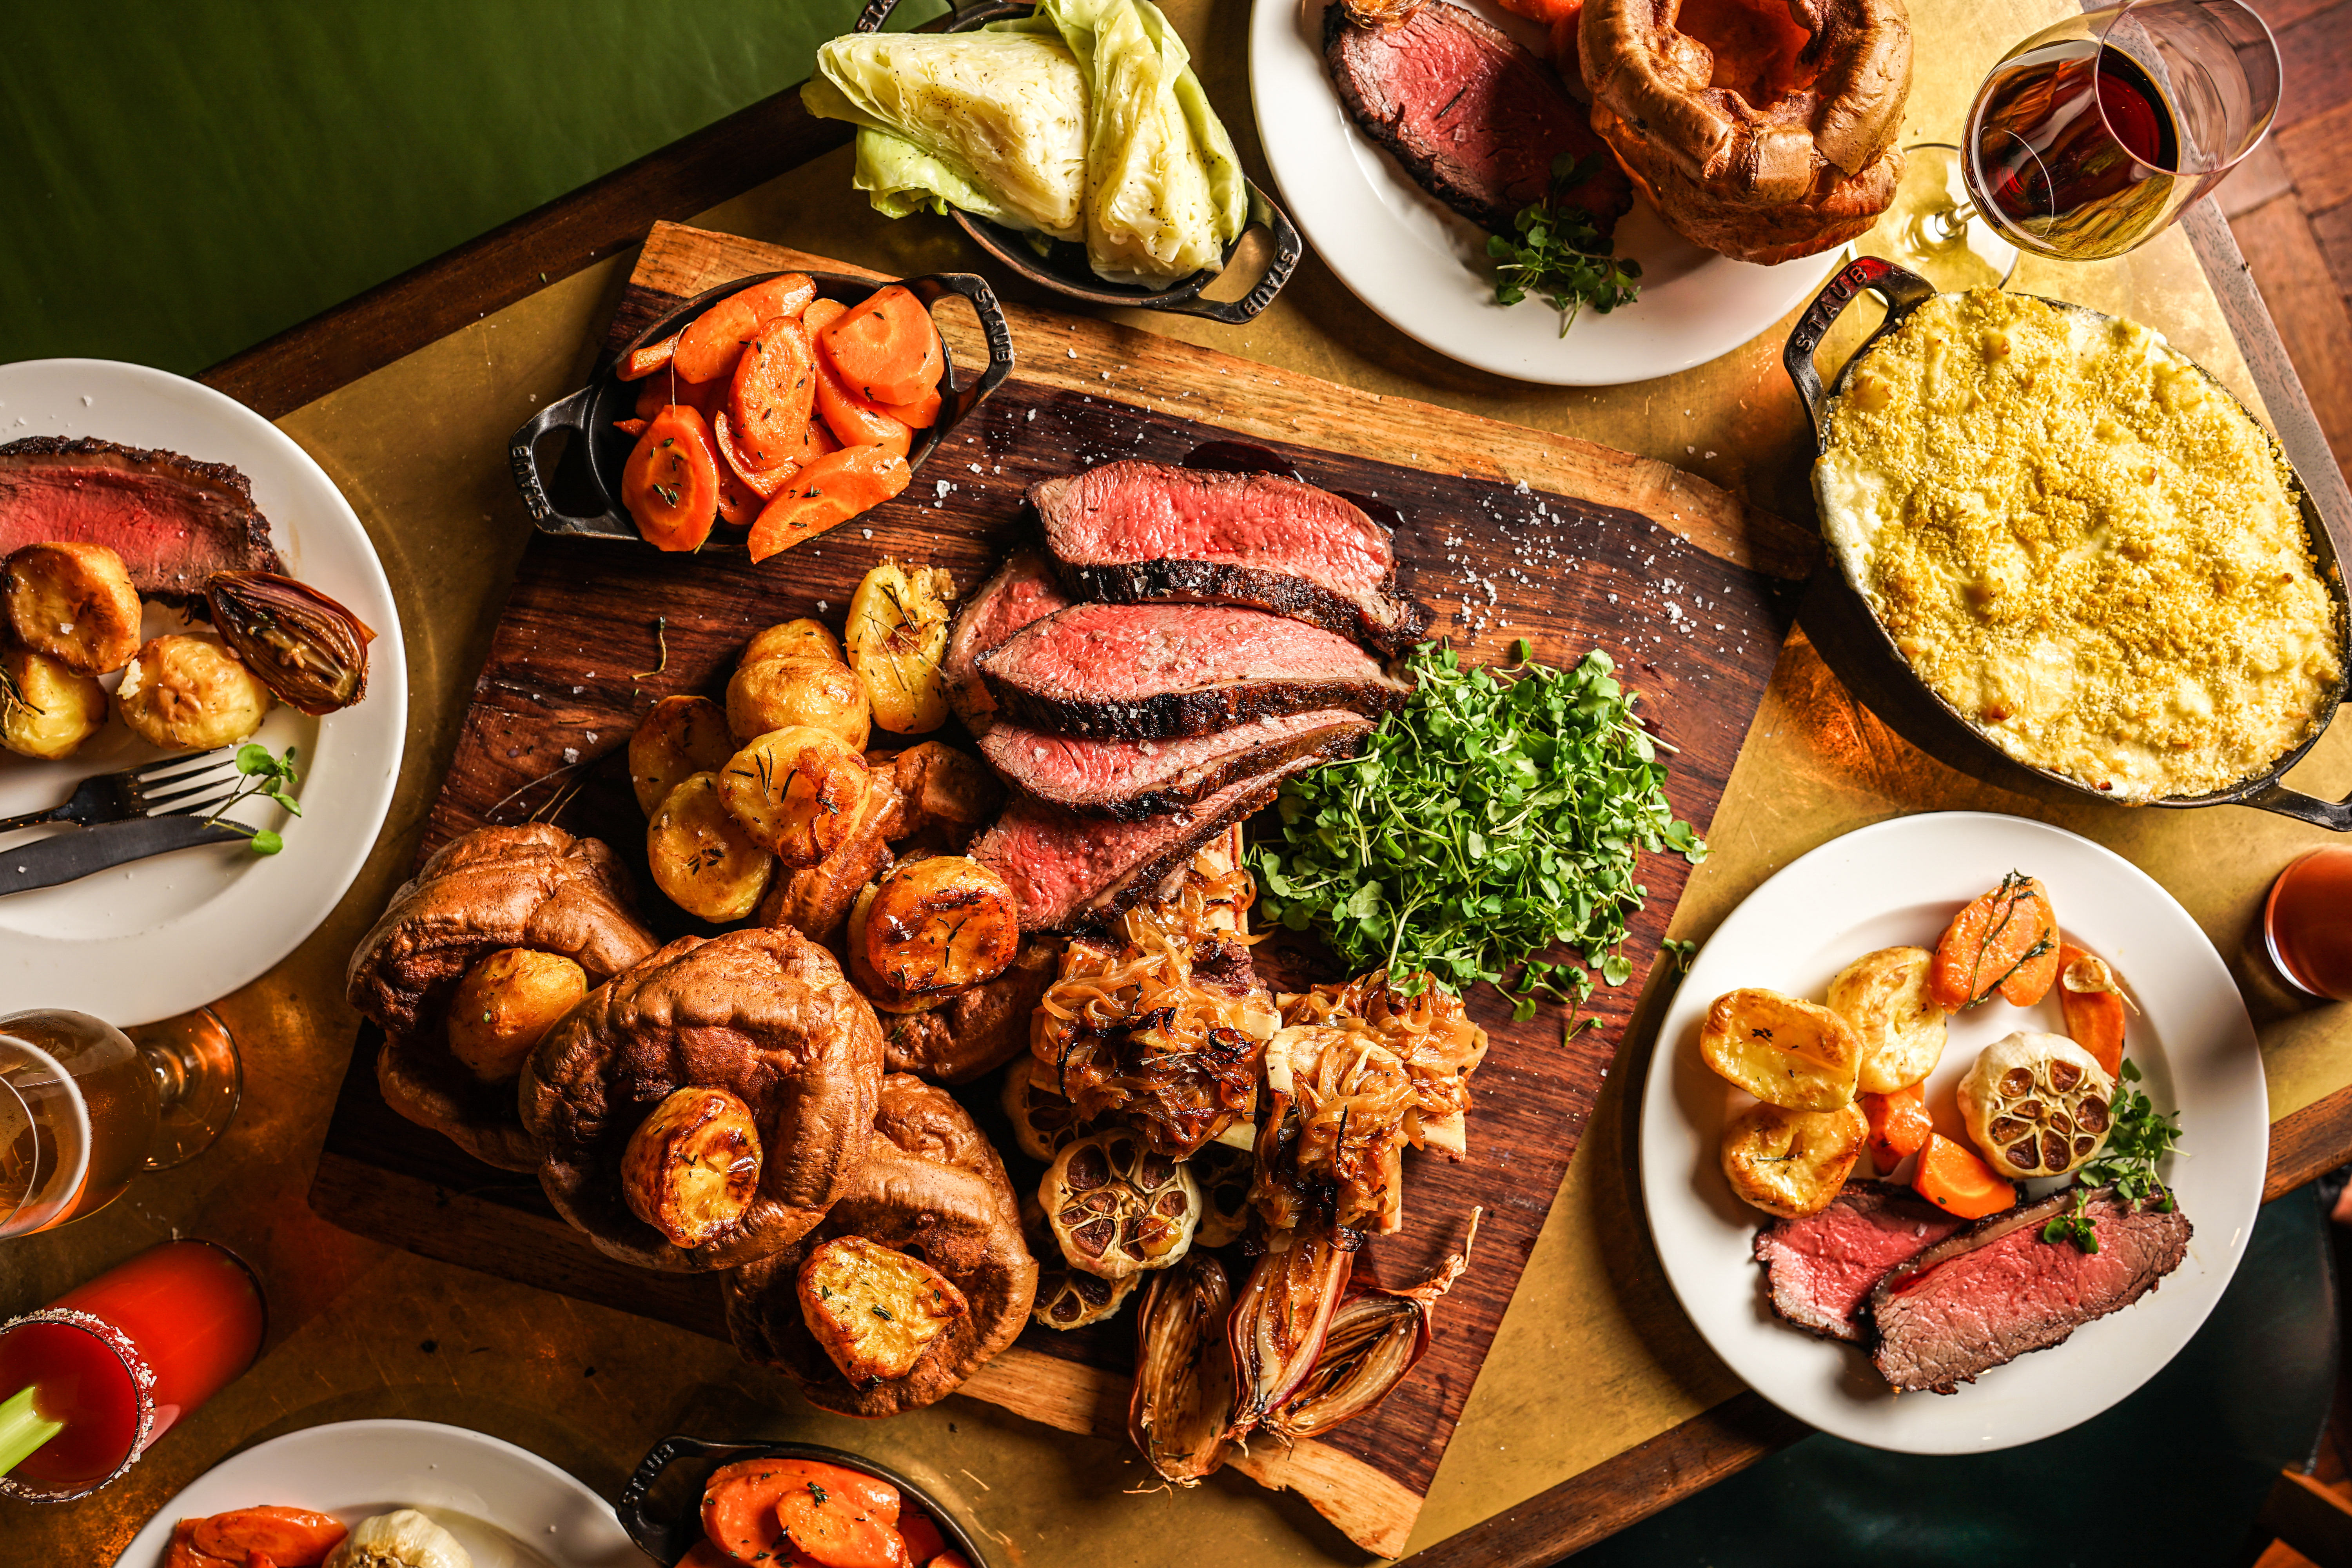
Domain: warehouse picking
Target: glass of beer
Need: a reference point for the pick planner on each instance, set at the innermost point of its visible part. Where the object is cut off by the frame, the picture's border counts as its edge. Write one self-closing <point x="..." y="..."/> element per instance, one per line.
<point x="2307" y="923"/>
<point x="84" y="1107"/>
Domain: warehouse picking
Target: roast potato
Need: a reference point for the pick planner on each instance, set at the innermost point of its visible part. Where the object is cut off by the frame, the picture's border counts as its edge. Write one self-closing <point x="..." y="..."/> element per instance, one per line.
<point x="873" y="1309"/>
<point x="681" y="736"/>
<point x="702" y="858"/>
<point x="885" y="998"/>
<point x="950" y="795"/>
<point x="803" y="639"/>
<point x="1785" y="1052"/>
<point x="692" y="1168"/>
<point x="1883" y="996"/>
<point x="941" y="924"/>
<point x="1792" y="1163"/>
<point x="506" y="1003"/>
<point x="816" y="901"/>
<point x="45" y="709"/>
<point x="74" y="602"/>
<point x="783" y="693"/>
<point x="796" y="791"/>
<point x="898" y="636"/>
<point x="185" y="694"/>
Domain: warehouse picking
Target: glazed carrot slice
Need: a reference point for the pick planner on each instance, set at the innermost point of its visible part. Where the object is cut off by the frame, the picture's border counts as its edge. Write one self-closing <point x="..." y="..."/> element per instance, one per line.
<point x="760" y="482"/>
<point x="825" y="493"/>
<point x="737" y="507"/>
<point x="631" y="427"/>
<point x="740" y="1501"/>
<point x="919" y="415"/>
<point x="949" y="1560"/>
<point x="2093" y="1008"/>
<point x="818" y="443"/>
<point x="641" y="362"/>
<point x="1899" y="1124"/>
<point x="183" y="1552"/>
<point x="262" y="1560"/>
<point x="856" y="421"/>
<point x="670" y="484"/>
<point x="713" y="341"/>
<point x="922" y="1537"/>
<point x="1957" y="1182"/>
<point x="773" y="390"/>
<point x="833" y="1529"/>
<point x="886" y="347"/>
<point x="703" y="1554"/>
<point x="2006" y="940"/>
<point x="295" y="1538"/>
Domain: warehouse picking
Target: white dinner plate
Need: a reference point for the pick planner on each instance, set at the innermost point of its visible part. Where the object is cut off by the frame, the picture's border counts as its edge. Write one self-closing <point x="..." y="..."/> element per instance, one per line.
<point x="159" y="936"/>
<point x="1424" y="269"/>
<point x="1899" y="883"/>
<point x="507" y="1506"/>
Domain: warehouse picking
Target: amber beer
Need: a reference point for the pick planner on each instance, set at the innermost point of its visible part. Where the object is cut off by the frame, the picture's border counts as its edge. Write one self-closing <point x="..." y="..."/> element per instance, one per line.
<point x="79" y="1106"/>
<point x="2309" y="923"/>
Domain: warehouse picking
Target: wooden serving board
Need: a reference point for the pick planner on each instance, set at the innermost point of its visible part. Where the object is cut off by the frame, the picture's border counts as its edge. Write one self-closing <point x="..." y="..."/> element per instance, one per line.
<point x="1508" y="534"/>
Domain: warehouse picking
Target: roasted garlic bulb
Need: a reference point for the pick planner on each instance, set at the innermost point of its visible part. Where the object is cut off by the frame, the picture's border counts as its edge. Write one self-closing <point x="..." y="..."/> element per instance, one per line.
<point x="1225" y="1175"/>
<point x="1117" y="1206"/>
<point x="1043" y="1122"/>
<point x="898" y="636"/>
<point x="1785" y="1052"/>
<point x="401" y="1539"/>
<point x="1883" y="996"/>
<point x="302" y="644"/>
<point x="2038" y="1105"/>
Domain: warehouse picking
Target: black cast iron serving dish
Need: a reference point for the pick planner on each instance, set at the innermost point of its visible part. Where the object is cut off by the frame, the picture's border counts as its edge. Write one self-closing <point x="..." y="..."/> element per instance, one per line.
<point x="667" y="1533"/>
<point x="1064" y="268"/>
<point x="589" y="414"/>
<point x="1905" y="700"/>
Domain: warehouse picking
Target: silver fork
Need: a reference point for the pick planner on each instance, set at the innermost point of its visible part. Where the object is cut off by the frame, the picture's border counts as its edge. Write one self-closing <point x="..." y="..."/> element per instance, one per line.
<point x="173" y="787"/>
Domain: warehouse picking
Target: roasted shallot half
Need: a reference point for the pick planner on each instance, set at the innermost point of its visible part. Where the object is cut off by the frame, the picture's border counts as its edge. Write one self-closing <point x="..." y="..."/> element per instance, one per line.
<point x="303" y="646"/>
<point x="1374" y="1339"/>
<point x="1184" y="1397"/>
<point x="1281" y="1316"/>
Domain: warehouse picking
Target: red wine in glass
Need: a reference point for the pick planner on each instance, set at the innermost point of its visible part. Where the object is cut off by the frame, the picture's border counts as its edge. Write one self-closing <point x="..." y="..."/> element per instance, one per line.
<point x="2077" y="149"/>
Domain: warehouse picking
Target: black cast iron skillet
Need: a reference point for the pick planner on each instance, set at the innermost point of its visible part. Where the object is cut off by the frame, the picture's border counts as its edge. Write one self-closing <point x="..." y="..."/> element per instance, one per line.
<point x="666" y="1538"/>
<point x="1064" y="270"/>
<point x="1927" y="717"/>
<point x="590" y="411"/>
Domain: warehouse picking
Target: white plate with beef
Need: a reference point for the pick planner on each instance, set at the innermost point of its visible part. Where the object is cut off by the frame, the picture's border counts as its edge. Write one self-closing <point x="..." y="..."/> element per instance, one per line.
<point x="1899" y="883"/>
<point x="159" y="936"/>
<point x="1424" y="266"/>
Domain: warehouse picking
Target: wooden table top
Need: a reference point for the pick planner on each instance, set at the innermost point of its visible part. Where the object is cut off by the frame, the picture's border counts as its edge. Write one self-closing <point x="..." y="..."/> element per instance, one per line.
<point x="1612" y="1407"/>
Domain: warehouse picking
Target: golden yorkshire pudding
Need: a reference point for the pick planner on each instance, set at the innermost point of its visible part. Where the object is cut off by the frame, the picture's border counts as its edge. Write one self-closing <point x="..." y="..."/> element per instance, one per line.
<point x="980" y="1029"/>
<point x="929" y="1232"/>
<point x="1760" y="128"/>
<point x="764" y="1016"/>
<point x="535" y="888"/>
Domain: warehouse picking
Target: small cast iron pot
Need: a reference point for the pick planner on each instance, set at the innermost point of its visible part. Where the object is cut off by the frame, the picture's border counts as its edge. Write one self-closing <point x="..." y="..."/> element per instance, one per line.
<point x="590" y="411"/>
<point x="1890" y="682"/>
<point x="1063" y="269"/>
<point x="667" y="1540"/>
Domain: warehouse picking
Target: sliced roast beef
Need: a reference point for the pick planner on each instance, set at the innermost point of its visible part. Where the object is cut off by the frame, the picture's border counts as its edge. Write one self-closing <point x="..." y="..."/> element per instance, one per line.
<point x="1130" y="780"/>
<point x="1073" y="871"/>
<point x="1150" y="671"/>
<point x="1996" y="1290"/>
<point x="1020" y="591"/>
<point x="1134" y="531"/>
<point x="174" y="521"/>
<point x="1820" y="1269"/>
<point x="1475" y="119"/>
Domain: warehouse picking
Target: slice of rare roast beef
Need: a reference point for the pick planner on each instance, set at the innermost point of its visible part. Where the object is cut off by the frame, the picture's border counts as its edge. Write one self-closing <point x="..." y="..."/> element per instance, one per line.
<point x="1150" y="671"/>
<point x="174" y="521"/>
<point x="1020" y="591"/>
<point x="1072" y="871"/>
<point x="1133" y="532"/>
<point x="1996" y="1290"/>
<point x="1820" y="1267"/>
<point x="1131" y="780"/>
<point x="1475" y="119"/>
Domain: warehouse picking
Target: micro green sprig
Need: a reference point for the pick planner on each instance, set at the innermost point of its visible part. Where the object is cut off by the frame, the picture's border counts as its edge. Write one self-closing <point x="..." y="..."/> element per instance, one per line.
<point x="271" y="777"/>
<point x="1558" y="252"/>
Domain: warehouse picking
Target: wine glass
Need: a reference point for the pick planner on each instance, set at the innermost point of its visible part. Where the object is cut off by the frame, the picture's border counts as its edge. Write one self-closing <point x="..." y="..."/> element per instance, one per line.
<point x="84" y="1107"/>
<point x="2085" y="140"/>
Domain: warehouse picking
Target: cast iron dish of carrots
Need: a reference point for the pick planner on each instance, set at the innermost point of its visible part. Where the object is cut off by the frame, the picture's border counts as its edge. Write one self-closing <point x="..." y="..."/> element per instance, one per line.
<point x="813" y="1515"/>
<point x="778" y="410"/>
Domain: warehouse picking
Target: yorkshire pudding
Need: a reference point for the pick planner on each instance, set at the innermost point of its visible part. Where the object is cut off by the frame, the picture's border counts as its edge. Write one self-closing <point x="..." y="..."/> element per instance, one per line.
<point x="934" y="1188"/>
<point x="763" y="1013"/>
<point x="1760" y="128"/>
<point x="535" y="886"/>
<point x="979" y="1030"/>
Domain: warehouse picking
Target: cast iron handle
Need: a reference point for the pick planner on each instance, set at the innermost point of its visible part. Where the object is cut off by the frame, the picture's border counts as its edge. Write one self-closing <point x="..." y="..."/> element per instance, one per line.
<point x="2335" y="816"/>
<point x="1904" y="292"/>
<point x="522" y="456"/>
<point x="959" y="400"/>
<point x="1288" y="248"/>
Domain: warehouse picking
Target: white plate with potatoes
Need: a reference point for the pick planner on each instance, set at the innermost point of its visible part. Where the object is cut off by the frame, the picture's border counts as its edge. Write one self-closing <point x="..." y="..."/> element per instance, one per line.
<point x="1899" y="883"/>
<point x="159" y="936"/>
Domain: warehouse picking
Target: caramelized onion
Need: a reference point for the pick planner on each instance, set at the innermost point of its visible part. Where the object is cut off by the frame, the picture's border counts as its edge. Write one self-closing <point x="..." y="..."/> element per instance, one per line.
<point x="1184" y="1397"/>
<point x="1382" y="13"/>
<point x="1281" y="1316"/>
<point x="304" y="646"/>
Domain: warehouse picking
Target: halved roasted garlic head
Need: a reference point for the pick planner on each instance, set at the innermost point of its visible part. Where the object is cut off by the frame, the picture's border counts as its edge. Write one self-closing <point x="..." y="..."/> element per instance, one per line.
<point x="692" y="1168"/>
<point x="1225" y="1175"/>
<point x="1117" y="1206"/>
<point x="873" y="1308"/>
<point x="1783" y="1050"/>
<point x="1043" y="1122"/>
<point x="2038" y="1105"/>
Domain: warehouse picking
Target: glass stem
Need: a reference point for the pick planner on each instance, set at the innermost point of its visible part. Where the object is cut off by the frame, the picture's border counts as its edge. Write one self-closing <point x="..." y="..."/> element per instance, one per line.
<point x="1945" y="227"/>
<point x="23" y="1429"/>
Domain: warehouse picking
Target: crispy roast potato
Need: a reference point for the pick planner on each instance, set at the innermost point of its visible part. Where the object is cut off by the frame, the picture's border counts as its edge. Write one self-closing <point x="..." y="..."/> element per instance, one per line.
<point x="796" y="791"/>
<point x="506" y="1003"/>
<point x="74" y="602"/>
<point x="681" y="736"/>
<point x="981" y="1028"/>
<point x="1792" y="1163"/>
<point x="703" y="858"/>
<point x="898" y="636"/>
<point x="1883" y="996"/>
<point x="941" y="924"/>
<point x="873" y="1309"/>
<point x="692" y="1168"/>
<point x="816" y="901"/>
<point x="886" y="999"/>
<point x="45" y="709"/>
<point x="782" y="694"/>
<point x="950" y="795"/>
<point x="185" y="694"/>
<point x="1783" y="1050"/>
<point x="803" y="638"/>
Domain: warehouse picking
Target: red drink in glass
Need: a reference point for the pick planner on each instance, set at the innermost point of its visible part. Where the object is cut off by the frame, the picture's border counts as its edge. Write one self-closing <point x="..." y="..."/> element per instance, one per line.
<point x="119" y="1360"/>
<point x="2308" y="923"/>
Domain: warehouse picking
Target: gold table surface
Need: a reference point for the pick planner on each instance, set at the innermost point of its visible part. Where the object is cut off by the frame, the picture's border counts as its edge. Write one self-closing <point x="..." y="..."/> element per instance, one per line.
<point x="1593" y="1357"/>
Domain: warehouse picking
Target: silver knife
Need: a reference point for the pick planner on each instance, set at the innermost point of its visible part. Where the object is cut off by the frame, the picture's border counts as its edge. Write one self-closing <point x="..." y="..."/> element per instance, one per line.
<point x="67" y="857"/>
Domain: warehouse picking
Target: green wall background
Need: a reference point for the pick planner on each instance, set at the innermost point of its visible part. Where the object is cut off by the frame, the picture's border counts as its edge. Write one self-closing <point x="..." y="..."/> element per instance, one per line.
<point x="179" y="179"/>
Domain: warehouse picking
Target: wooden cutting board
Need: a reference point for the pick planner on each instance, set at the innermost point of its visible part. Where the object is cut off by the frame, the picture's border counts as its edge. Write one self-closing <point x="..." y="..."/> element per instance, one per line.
<point x="1508" y="534"/>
